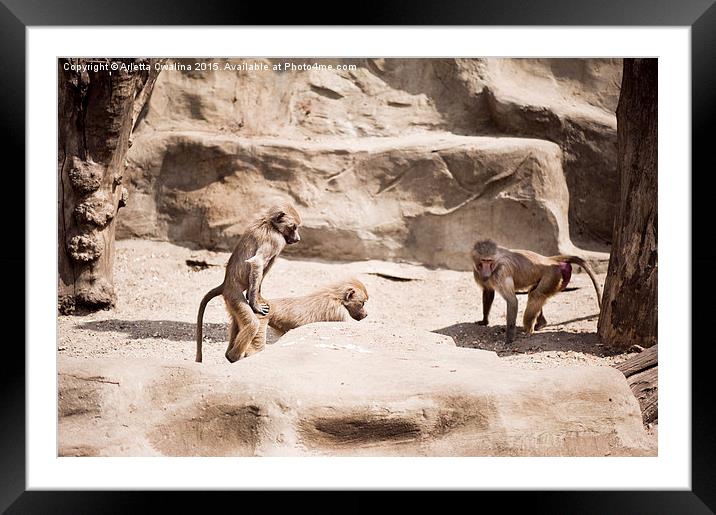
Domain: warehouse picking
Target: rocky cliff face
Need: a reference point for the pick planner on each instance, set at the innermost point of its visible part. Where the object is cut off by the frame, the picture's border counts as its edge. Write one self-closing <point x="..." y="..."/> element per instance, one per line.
<point x="409" y="159"/>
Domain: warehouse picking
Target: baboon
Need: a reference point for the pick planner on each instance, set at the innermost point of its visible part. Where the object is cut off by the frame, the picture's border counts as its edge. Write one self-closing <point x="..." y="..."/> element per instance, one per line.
<point x="252" y="258"/>
<point x="332" y="303"/>
<point x="505" y="271"/>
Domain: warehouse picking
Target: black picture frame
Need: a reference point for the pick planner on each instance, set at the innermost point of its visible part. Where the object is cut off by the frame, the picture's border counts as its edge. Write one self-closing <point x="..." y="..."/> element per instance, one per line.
<point x="16" y="15"/>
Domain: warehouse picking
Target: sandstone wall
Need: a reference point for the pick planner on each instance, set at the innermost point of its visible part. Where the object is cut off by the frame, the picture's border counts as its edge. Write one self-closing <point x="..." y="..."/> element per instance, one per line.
<point x="408" y="159"/>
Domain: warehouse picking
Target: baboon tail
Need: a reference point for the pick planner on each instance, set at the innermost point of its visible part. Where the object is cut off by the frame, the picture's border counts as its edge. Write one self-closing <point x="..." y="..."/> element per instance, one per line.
<point x="200" y="317"/>
<point x="581" y="262"/>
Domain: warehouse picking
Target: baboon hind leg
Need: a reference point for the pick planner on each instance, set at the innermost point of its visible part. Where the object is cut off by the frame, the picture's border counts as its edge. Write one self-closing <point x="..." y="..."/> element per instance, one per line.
<point x="541" y="321"/>
<point x="259" y="341"/>
<point x="233" y="331"/>
<point x="247" y="324"/>
<point x="546" y="288"/>
<point x="533" y="311"/>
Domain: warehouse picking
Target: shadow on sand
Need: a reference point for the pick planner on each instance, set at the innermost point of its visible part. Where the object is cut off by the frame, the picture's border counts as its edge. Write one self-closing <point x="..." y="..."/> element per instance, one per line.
<point x="492" y="338"/>
<point x="466" y="334"/>
<point x="159" y="329"/>
<point x="166" y="330"/>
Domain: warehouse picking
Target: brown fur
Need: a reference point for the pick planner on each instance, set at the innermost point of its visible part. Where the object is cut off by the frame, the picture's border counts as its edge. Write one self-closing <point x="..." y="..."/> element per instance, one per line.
<point x="505" y="271"/>
<point x="251" y="260"/>
<point x="335" y="302"/>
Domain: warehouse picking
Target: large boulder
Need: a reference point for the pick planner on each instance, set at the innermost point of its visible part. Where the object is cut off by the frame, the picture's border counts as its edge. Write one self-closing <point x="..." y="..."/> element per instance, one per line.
<point x="211" y="145"/>
<point x="425" y="198"/>
<point x="342" y="389"/>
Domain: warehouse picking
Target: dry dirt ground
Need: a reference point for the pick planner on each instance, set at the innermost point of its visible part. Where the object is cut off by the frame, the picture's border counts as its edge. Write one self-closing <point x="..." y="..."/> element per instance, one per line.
<point x="159" y="293"/>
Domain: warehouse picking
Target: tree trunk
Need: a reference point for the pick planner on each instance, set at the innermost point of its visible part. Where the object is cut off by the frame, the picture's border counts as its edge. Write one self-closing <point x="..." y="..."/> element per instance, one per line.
<point x="629" y="308"/>
<point x="97" y="109"/>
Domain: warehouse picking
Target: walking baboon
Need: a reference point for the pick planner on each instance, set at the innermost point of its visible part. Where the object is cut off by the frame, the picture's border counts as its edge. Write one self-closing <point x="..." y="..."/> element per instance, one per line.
<point x="505" y="271"/>
<point x="332" y="303"/>
<point x="252" y="258"/>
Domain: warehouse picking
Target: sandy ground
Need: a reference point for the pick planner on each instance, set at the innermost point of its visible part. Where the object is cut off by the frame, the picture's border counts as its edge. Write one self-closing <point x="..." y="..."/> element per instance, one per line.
<point x="158" y="297"/>
<point x="159" y="294"/>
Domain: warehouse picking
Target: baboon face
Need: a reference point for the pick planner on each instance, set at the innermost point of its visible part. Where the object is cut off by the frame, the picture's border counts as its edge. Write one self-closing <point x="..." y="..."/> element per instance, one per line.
<point x="483" y="255"/>
<point x="287" y="224"/>
<point x="485" y="267"/>
<point x="354" y="301"/>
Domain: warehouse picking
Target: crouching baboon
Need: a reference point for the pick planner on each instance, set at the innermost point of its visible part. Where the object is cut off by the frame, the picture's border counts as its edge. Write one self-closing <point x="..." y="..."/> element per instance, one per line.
<point x="505" y="271"/>
<point x="252" y="258"/>
<point x="332" y="303"/>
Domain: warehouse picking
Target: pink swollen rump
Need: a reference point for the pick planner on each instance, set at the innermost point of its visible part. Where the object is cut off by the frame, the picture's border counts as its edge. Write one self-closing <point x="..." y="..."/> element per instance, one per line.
<point x="566" y="269"/>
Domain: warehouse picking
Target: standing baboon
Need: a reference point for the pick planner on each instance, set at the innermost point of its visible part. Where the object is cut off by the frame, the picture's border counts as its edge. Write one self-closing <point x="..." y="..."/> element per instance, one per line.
<point x="251" y="260"/>
<point x="505" y="271"/>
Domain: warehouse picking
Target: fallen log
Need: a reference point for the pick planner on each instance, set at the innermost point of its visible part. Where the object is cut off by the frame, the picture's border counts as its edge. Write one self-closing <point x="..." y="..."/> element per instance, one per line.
<point x="642" y="375"/>
<point x="640" y="362"/>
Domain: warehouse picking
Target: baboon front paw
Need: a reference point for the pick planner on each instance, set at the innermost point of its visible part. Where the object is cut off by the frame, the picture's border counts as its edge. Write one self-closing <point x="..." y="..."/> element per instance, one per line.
<point x="510" y="336"/>
<point x="481" y="322"/>
<point x="261" y="308"/>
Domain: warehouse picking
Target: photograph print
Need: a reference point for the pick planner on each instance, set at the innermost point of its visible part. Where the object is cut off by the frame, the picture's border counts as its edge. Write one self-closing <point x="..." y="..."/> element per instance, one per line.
<point x="357" y="257"/>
